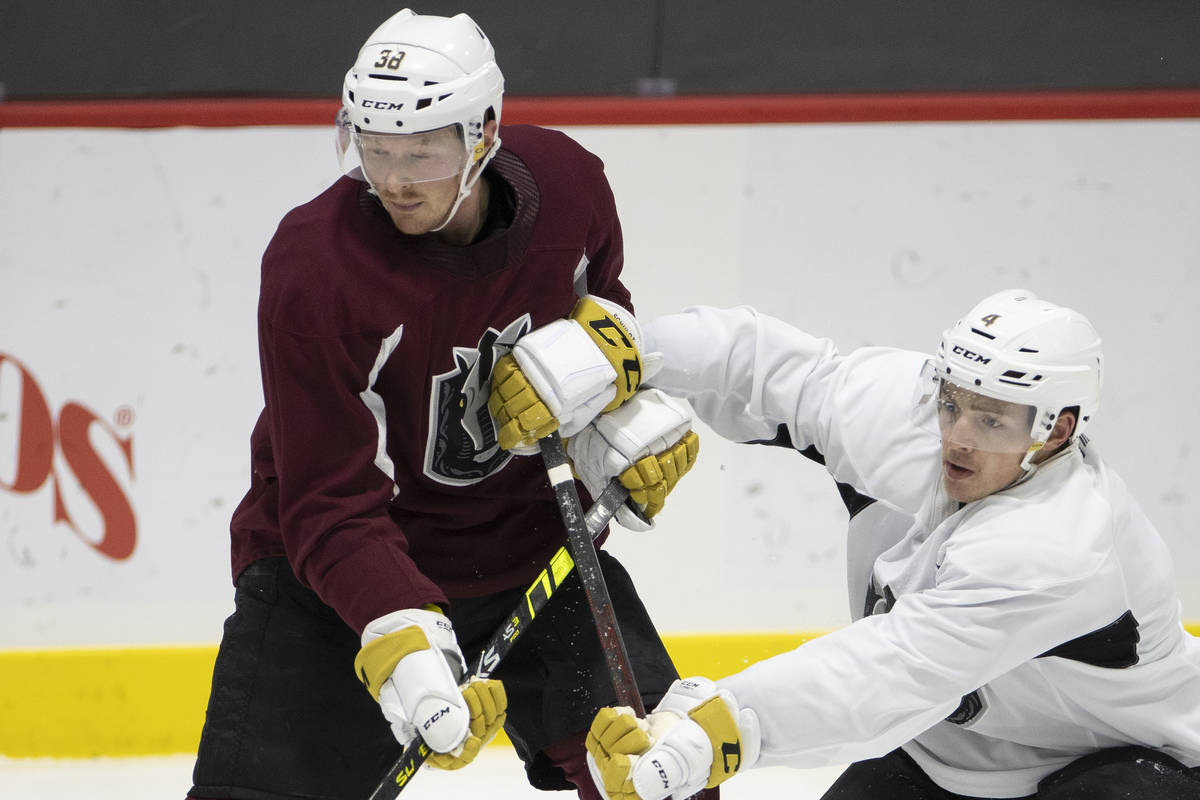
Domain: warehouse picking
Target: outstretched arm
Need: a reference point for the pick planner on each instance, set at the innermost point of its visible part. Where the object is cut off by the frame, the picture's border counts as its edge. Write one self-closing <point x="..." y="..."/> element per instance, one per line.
<point x="747" y="374"/>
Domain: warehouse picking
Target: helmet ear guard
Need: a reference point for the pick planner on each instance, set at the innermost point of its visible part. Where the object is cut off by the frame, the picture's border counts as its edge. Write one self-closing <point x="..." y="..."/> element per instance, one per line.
<point x="1014" y="347"/>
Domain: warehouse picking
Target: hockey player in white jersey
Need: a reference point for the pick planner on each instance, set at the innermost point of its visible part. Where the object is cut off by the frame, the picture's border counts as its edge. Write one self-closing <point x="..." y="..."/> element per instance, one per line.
<point x="1018" y="634"/>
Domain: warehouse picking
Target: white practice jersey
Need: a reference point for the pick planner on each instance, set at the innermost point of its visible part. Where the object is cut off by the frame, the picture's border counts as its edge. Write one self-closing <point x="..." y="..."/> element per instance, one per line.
<point x="995" y="642"/>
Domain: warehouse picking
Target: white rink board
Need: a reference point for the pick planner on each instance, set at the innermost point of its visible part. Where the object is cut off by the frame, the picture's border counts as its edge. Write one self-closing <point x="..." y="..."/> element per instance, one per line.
<point x="129" y="265"/>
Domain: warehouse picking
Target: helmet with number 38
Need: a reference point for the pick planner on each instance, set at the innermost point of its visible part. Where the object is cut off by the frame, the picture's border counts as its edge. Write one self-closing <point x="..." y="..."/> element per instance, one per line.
<point x="415" y="74"/>
<point x="420" y="73"/>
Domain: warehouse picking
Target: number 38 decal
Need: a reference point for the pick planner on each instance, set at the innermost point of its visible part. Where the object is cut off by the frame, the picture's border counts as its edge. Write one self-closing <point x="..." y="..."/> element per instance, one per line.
<point x="389" y="60"/>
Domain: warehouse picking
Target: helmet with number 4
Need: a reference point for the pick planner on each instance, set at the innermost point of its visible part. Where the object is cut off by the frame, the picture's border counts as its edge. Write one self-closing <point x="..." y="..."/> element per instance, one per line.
<point x="418" y="73"/>
<point x="1017" y="348"/>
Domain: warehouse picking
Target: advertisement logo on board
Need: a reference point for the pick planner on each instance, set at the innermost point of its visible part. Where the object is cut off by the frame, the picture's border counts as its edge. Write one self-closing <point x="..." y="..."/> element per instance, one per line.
<point x="85" y="458"/>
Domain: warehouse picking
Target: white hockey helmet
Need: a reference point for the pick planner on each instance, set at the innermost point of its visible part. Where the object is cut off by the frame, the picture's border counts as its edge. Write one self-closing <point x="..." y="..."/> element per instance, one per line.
<point x="1017" y="348"/>
<point x="422" y="72"/>
<point x="418" y="73"/>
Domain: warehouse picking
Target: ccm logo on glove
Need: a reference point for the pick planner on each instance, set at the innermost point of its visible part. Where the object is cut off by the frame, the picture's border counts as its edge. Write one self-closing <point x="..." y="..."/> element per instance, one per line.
<point x="437" y="715"/>
<point x="662" y="774"/>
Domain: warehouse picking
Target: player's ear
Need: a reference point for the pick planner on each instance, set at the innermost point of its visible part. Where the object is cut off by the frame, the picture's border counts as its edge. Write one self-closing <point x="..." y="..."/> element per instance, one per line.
<point x="1064" y="427"/>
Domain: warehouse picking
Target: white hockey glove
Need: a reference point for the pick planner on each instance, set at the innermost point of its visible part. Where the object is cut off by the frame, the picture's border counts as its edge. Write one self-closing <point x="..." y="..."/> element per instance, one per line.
<point x="648" y="442"/>
<point x="410" y="662"/>
<point x="696" y="738"/>
<point x="563" y="374"/>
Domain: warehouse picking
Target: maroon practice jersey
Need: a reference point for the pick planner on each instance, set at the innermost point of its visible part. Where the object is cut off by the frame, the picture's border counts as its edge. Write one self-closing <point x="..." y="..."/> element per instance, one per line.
<point x="375" y="464"/>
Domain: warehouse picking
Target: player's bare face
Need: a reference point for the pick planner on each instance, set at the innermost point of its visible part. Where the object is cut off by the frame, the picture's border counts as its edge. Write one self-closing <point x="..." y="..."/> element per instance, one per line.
<point x="984" y="441"/>
<point x="972" y="474"/>
<point x="416" y="176"/>
<point x="418" y="208"/>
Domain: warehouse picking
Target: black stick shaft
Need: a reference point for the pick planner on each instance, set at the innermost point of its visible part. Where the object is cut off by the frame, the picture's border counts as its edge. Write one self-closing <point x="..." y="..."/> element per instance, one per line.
<point x="588" y="564"/>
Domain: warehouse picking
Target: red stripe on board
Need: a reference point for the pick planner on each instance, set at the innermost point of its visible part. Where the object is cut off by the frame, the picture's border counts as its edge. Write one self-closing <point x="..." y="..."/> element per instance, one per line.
<point x="688" y="110"/>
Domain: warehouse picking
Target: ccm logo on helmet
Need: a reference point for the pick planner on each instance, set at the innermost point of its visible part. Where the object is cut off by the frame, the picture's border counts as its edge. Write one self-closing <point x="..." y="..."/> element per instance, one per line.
<point x="970" y="355"/>
<point x="382" y="105"/>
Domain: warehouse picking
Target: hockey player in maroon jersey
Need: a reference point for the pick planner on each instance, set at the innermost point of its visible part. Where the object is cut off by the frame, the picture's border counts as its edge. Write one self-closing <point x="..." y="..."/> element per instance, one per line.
<point x="385" y="534"/>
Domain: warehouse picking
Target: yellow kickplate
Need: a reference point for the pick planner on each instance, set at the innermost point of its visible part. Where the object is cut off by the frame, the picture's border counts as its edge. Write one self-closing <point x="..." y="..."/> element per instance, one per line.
<point x="103" y="702"/>
<point x="133" y="701"/>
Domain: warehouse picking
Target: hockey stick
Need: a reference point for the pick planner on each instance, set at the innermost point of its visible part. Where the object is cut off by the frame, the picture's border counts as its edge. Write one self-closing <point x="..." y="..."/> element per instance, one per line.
<point x="588" y="563"/>
<point x="548" y="581"/>
<point x="502" y="641"/>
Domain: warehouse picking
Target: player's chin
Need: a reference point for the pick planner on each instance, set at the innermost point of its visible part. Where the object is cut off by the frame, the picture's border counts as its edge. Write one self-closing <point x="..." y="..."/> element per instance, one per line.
<point x="410" y="222"/>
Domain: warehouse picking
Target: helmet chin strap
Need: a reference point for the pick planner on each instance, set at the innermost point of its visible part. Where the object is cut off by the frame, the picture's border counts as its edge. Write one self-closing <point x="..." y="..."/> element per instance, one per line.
<point x="466" y="183"/>
<point x="1030" y="468"/>
<point x="1027" y="462"/>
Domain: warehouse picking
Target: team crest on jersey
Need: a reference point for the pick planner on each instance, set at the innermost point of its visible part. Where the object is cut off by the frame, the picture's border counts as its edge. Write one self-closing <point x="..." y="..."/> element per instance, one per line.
<point x="462" y="447"/>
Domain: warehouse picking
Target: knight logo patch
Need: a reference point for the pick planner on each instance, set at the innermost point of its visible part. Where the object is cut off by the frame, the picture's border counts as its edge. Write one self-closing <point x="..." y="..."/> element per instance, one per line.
<point x="462" y="447"/>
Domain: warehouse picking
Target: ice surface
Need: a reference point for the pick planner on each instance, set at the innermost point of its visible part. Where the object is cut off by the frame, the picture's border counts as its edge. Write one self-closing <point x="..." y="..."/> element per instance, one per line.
<point x="496" y="775"/>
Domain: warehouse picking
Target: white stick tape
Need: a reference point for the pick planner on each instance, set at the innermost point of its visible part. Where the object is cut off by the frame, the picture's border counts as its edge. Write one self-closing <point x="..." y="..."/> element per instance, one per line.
<point x="560" y="474"/>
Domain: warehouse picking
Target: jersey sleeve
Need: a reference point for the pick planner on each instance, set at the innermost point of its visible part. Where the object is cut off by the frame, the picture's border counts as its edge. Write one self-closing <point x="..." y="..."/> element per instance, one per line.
<point x="333" y="483"/>
<point x="866" y="689"/>
<point x="746" y="374"/>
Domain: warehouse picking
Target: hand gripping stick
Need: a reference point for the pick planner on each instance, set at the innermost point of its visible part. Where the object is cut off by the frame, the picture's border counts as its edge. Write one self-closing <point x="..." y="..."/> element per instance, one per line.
<point x="502" y="641"/>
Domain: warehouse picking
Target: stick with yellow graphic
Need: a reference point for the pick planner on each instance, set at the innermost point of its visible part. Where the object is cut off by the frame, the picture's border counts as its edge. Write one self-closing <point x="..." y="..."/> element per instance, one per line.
<point x="502" y="641"/>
